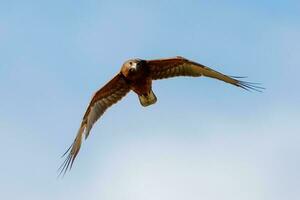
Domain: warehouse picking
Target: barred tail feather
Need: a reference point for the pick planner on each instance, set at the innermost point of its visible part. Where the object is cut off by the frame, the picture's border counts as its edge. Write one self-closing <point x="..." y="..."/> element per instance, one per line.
<point x="147" y="99"/>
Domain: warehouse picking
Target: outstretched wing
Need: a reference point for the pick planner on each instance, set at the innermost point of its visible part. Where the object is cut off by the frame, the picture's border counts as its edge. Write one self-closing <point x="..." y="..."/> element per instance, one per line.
<point x="179" y="66"/>
<point x="108" y="95"/>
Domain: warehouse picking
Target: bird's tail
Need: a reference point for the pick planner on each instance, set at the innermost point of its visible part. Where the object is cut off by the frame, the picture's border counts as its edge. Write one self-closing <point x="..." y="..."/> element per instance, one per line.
<point x="147" y="99"/>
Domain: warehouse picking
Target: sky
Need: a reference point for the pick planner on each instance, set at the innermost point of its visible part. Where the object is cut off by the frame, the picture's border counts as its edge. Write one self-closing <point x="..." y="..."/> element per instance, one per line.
<point x="203" y="139"/>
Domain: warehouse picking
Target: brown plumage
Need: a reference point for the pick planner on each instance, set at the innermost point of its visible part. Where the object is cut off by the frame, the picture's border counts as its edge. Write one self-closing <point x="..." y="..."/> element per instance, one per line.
<point x="137" y="75"/>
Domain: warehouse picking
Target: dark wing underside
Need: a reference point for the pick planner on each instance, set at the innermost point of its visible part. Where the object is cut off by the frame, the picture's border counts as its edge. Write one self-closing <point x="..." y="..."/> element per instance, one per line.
<point x="108" y="95"/>
<point x="179" y="66"/>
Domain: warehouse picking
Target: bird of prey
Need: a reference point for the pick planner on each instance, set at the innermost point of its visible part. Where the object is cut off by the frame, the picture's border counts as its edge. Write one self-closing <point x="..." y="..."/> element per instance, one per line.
<point x="137" y="75"/>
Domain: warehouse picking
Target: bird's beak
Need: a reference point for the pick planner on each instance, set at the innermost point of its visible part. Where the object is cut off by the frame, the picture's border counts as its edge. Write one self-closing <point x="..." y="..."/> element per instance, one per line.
<point x="134" y="66"/>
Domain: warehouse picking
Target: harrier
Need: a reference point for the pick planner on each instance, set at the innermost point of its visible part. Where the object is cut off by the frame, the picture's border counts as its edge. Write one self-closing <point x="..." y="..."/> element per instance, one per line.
<point x="137" y="75"/>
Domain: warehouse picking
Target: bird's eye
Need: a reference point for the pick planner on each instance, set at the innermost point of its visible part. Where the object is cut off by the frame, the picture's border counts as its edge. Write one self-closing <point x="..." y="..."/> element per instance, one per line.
<point x="130" y="63"/>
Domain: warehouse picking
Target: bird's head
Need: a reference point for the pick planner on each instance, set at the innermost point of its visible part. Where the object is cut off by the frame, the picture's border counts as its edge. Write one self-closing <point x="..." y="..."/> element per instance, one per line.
<point x="132" y="69"/>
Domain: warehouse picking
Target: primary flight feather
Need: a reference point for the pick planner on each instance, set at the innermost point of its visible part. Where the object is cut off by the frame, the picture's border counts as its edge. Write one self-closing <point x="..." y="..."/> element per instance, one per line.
<point x="137" y="75"/>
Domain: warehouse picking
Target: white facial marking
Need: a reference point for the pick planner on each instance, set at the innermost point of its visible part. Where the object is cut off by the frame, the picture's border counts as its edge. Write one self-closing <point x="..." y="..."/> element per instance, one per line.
<point x="133" y="65"/>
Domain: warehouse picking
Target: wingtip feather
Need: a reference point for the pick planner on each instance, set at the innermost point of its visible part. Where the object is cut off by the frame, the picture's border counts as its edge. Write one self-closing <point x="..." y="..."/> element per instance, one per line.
<point x="72" y="153"/>
<point x="250" y="86"/>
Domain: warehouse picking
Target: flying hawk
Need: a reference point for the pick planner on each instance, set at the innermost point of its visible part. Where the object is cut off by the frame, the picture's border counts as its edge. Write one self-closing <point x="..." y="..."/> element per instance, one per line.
<point x="137" y="75"/>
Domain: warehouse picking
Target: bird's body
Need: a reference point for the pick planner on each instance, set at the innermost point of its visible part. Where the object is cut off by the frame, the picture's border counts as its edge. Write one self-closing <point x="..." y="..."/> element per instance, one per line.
<point x="137" y="75"/>
<point x="136" y="72"/>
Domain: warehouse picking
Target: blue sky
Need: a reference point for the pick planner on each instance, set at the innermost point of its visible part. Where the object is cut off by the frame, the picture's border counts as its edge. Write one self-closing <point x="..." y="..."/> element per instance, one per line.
<point x="203" y="139"/>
